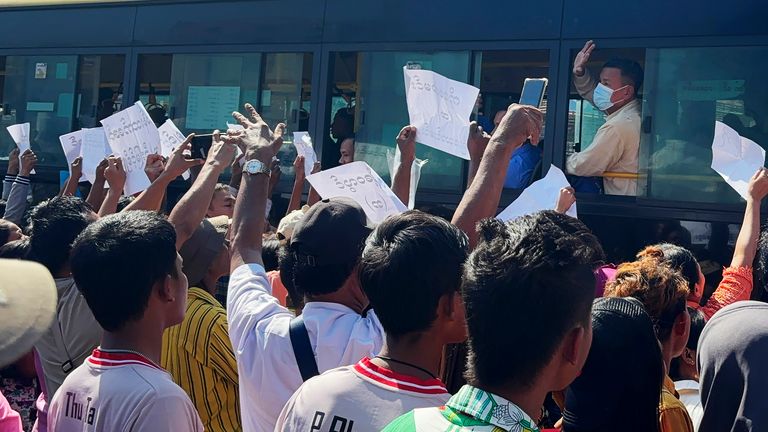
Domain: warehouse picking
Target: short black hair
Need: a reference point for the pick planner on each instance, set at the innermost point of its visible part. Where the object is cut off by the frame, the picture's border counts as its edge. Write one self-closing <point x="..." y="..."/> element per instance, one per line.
<point x="17" y="249"/>
<point x="525" y="286"/>
<point x="269" y="254"/>
<point x="286" y="263"/>
<point x="697" y="326"/>
<point x="409" y="262"/>
<point x="54" y="225"/>
<point x="123" y="202"/>
<point x="676" y="257"/>
<point x="311" y="279"/>
<point x="631" y="71"/>
<point x="760" y="266"/>
<point x="117" y="260"/>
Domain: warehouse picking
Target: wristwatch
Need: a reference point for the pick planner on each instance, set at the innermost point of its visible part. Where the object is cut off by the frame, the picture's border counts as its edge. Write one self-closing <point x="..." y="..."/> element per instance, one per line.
<point x="255" y="166"/>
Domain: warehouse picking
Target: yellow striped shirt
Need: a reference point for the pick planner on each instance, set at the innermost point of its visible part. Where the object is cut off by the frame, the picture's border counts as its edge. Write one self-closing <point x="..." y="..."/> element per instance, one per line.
<point x="198" y="355"/>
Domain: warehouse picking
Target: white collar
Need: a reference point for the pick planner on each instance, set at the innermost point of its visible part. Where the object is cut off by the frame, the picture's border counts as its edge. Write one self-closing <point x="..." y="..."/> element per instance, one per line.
<point x="686" y="385"/>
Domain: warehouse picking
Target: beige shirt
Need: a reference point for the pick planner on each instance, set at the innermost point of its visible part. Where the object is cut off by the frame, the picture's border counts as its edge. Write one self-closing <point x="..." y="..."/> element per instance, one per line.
<point x="615" y="146"/>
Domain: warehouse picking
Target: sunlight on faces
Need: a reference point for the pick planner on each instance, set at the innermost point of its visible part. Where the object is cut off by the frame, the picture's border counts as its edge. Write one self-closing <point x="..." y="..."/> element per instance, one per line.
<point x="347" y="150"/>
<point x="222" y="204"/>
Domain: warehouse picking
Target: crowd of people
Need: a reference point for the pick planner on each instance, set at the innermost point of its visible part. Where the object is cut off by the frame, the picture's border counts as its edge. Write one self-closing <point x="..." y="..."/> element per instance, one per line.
<point x="138" y="317"/>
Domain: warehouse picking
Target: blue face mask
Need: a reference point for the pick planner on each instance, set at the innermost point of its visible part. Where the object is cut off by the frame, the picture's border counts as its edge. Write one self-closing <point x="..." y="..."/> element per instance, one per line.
<point x="602" y="97"/>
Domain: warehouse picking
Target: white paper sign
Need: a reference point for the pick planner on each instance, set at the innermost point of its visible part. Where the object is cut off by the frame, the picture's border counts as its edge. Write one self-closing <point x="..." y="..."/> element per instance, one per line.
<point x="541" y="195"/>
<point x="440" y="108"/>
<point x="359" y="182"/>
<point x="133" y="136"/>
<point x="20" y="135"/>
<point x="71" y="144"/>
<point x="170" y="138"/>
<point x="735" y="158"/>
<point x="94" y="148"/>
<point x="303" y="144"/>
<point x="235" y="126"/>
<point x="393" y="163"/>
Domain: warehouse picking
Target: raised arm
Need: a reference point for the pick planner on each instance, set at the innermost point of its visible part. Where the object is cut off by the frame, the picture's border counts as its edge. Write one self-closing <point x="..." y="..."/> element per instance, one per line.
<point x="11" y="172"/>
<point x="152" y="197"/>
<point x="476" y="144"/>
<point x="582" y="79"/>
<point x="746" y="244"/>
<point x="401" y="183"/>
<point x="298" y="184"/>
<point x="481" y="200"/>
<point x="565" y="200"/>
<point x="70" y="186"/>
<point x="16" y="204"/>
<point x="96" y="195"/>
<point x="115" y="175"/>
<point x="261" y="144"/>
<point x="191" y="208"/>
<point x="313" y="195"/>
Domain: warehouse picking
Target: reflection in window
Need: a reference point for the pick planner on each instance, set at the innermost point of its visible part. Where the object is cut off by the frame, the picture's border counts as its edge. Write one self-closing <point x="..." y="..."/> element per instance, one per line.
<point x="689" y="93"/>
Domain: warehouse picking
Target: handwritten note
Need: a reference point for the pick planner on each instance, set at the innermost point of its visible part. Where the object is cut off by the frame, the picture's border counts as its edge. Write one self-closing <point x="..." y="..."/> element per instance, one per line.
<point x="303" y="144"/>
<point x="210" y="106"/>
<point x="133" y="136"/>
<point x="170" y="137"/>
<point x="93" y="149"/>
<point x="359" y="182"/>
<point x="393" y="163"/>
<point x="541" y="195"/>
<point x="440" y="108"/>
<point x="735" y="158"/>
<point x="71" y="144"/>
<point x="20" y="135"/>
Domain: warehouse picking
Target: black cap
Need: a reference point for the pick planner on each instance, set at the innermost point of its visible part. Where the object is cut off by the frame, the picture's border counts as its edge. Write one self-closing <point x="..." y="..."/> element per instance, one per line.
<point x="333" y="231"/>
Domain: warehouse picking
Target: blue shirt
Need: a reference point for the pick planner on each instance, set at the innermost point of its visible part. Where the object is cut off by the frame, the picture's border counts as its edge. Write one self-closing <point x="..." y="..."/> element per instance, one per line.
<point x="521" y="166"/>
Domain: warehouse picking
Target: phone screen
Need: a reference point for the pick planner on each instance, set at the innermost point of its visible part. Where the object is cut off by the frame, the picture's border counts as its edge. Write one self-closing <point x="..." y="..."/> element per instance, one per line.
<point x="533" y="91"/>
<point x="201" y="145"/>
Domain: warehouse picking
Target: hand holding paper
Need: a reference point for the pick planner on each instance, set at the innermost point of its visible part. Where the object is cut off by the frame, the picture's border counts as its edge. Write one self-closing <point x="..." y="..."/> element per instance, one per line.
<point x="170" y="137"/>
<point x="20" y="135"/>
<point x="439" y="108"/>
<point x="735" y="158"/>
<point x="303" y="144"/>
<point x="71" y="144"/>
<point x="544" y="194"/>
<point x="358" y="181"/>
<point x="28" y="162"/>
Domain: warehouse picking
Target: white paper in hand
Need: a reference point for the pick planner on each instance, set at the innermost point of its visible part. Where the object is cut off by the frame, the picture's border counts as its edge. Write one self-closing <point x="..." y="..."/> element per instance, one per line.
<point x="541" y="195"/>
<point x="20" y="135"/>
<point x="440" y="108"/>
<point x="235" y="126"/>
<point x="393" y="163"/>
<point x="303" y="144"/>
<point x="170" y="138"/>
<point x="133" y="136"/>
<point x="93" y="150"/>
<point x="735" y="158"/>
<point x="71" y="144"/>
<point x="359" y="182"/>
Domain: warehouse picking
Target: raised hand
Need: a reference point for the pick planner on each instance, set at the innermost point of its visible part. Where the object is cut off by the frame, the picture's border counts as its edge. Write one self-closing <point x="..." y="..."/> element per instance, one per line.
<point x="518" y="124"/>
<point x="178" y="162"/>
<point x="115" y="174"/>
<point x="317" y="167"/>
<point x="406" y="142"/>
<point x="100" y="170"/>
<point x="758" y="185"/>
<point x="154" y="166"/>
<point x="582" y="58"/>
<point x="28" y="162"/>
<point x="477" y="141"/>
<point x="259" y="140"/>
<point x="566" y="199"/>
<point x="222" y="153"/>
<point x="298" y="166"/>
<point x="13" y="162"/>
<point x="77" y="168"/>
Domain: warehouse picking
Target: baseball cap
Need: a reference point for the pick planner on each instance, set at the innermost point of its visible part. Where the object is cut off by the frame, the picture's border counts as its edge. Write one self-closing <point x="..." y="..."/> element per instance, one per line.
<point x="332" y="232"/>
<point x="288" y="223"/>
<point x="203" y="247"/>
<point x="28" y="300"/>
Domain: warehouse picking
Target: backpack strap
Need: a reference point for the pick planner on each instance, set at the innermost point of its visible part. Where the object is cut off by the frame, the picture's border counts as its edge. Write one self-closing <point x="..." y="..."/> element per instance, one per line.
<point x="302" y="348"/>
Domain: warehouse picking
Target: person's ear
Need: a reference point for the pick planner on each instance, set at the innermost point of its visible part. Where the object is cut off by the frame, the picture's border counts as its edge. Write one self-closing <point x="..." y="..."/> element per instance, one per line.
<point x="689" y="357"/>
<point x="446" y="306"/>
<point x="682" y="324"/>
<point x="573" y="345"/>
<point x="165" y="289"/>
<point x="622" y="93"/>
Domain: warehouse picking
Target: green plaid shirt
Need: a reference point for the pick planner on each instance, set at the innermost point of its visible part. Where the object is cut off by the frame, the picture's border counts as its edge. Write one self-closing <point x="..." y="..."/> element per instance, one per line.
<point x="471" y="409"/>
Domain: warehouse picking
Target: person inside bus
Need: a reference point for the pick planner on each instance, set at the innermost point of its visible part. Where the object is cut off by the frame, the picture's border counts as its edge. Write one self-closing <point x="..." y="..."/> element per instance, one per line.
<point x="616" y="143"/>
<point x="343" y="131"/>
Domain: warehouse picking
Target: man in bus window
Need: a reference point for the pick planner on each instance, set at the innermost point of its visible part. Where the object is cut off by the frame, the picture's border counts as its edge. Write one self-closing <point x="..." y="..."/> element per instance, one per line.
<point x="615" y="146"/>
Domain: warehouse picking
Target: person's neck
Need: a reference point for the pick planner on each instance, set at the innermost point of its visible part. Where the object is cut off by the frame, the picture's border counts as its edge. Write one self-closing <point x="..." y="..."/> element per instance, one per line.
<point x="619" y="106"/>
<point x="135" y="336"/>
<point x="349" y="295"/>
<point x="529" y="400"/>
<point x="667" y="355"/>
<point x="423" y="350"/>
<point x="209" y="284"/>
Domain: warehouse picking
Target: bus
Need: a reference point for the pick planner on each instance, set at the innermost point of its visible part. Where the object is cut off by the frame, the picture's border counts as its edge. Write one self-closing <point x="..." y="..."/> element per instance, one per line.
<point x="64" y="65"/>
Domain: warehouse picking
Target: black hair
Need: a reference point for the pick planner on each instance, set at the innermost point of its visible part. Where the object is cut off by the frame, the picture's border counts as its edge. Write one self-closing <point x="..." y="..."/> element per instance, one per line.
<point x="286" y="262"/>
<point x="676" y="257"/>
<point x="5" y="231"/>
<point x="17" y="249"/>
<point x="269" y="254"/>
<point x="123" y="202"/>
<point x="525" y="286"/>
<point x="413" y="256"/>
<point x="311" y="279"/>
<point x="760" y="266"/>
<point x="631" y="71"/>
<point x="697" y="326"/>
<point x="55" y="223"/>
<point x="117" y="261"/>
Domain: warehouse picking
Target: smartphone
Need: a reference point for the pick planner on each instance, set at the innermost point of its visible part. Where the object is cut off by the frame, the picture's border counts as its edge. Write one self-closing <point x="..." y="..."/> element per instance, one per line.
<point x="533" y="91"/>
<point x="201" y="145"/>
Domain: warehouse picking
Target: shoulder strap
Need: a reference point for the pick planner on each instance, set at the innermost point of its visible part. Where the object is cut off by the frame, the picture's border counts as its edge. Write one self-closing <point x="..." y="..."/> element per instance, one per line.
<point x="302" y="349"/>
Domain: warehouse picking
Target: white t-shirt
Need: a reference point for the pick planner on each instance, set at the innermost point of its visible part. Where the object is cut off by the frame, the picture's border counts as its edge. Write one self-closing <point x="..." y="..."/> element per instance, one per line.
<point x="690" y="397"/>
<point x="122" y="391"/>
<point x="266" y="365"/>
<point x="363" y="397"/>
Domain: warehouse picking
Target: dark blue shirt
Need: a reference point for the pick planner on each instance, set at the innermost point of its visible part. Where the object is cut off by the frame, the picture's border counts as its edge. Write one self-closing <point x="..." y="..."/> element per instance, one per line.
<point x="521" y="166"/>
